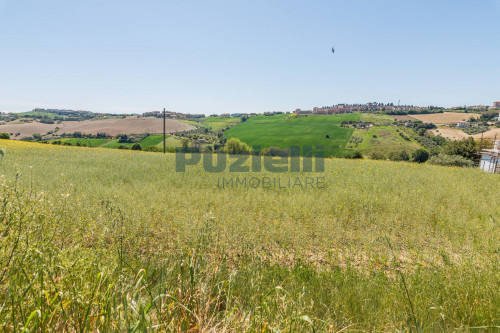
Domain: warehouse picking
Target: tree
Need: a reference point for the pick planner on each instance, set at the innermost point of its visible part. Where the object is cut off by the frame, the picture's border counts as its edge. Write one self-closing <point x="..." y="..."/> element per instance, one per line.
<point x="465" y="147"/>
<point x="235" y="146"/>
<point x="136" y="146"/>
<point x="123" y="138"/>
<point x="185" y="144"/>
<point x="4" y="136"/>
<point x="420" y="155"/>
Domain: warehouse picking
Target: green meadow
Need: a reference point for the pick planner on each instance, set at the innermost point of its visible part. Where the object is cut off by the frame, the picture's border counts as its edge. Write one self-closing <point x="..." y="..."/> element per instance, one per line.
<point x="99" y="240"/>
<point x="83" y="142"/>
<point x="220" y="123"/>
<point x="148" y="141"/>
<point x="286" y="131"/>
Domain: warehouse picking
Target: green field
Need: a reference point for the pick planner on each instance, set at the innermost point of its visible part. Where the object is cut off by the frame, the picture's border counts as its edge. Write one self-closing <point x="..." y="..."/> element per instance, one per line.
<point x="376" y="118"/>
<point x="83" y="142"/>
<point x="171" y="141"/>
<point x="285" y="131"/>
<point x="194" y="123"/>
<point x="116" y="240"/>
<point x="220" y="123"/>
<point x="151" y="140"/>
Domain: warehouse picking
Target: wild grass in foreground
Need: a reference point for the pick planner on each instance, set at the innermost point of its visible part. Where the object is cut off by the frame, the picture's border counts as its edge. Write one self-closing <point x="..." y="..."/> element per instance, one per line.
<point x="102" y="240"/>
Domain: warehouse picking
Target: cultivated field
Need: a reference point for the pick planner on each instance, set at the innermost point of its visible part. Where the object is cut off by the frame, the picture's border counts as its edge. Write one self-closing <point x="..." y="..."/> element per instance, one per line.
<point x="111" y="241"/>
<point x="282" y="131"/>
<point x="26" y="129"/>
<point x="444" y="118"/>
<point x="114" y="126"/>
<point x="457" y="134"/>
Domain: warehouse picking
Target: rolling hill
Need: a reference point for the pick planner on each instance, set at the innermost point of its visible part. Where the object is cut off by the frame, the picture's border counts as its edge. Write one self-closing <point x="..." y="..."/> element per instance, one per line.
<point x="285" y="131"/>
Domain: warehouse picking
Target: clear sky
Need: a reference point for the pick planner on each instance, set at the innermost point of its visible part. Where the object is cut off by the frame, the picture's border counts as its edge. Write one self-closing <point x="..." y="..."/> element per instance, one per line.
<point x="246" y="55"/>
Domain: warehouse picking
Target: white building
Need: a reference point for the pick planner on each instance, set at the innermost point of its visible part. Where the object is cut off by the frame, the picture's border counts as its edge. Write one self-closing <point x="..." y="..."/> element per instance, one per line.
<point x="490" y="159"/>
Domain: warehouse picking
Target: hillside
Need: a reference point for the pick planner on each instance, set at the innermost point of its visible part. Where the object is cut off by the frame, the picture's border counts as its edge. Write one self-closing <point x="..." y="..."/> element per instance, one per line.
<point x="115" y="240"/>
<point x="113" y="126"/>
<point x="284" y="131"/>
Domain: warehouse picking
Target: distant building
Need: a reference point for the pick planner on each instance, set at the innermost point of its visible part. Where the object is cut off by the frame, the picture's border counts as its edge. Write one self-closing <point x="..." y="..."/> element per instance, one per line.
<point x="462" y="124"/>
<point x="299" y="111"/>
<point x="496" y="105"/>
<point x="490" y="159"/>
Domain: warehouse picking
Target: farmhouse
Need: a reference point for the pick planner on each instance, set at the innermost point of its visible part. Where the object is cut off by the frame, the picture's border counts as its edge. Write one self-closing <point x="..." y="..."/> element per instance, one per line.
<point x="490" y="159"/>
<point x="462" y="124"/>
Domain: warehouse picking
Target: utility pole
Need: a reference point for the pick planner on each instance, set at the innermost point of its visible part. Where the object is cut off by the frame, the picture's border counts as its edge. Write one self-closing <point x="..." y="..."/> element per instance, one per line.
<point x="164" y="136"/>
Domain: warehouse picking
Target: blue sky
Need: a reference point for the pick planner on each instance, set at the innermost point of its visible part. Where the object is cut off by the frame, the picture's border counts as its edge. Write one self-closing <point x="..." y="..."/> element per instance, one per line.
<point x="246" y="56"/>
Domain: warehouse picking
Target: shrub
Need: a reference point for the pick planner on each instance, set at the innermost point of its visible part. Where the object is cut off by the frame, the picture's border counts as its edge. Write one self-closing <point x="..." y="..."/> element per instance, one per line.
<point x="399" y="156"/>
<point x="136" y="146"/>
<point x="46" y="121"/>
<point x="353" y="154"/>
<point x="450" y="160"/>
<point x="123" y="147"/>
<point x="154" y="148"/>
<point x="420" y="155"/>
<point x="378" y="156"/>
<point x="4" y="136"/>
<point x="235" y="146"/>
<point x="355" y="139"/>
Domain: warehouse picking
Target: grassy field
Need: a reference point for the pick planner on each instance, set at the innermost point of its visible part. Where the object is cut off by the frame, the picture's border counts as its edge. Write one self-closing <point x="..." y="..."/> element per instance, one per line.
<point x="283" y="131"/>
<point x="384" y="140"/>
<point x="83" y="142"/>
<point x="220" y="123"/>
<point x="171" y="141"/>
<point x="375" y="118"/>
<point x="194" y="123"/>
<point x="151" y="140"/>
<point x="116" y="240"/>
